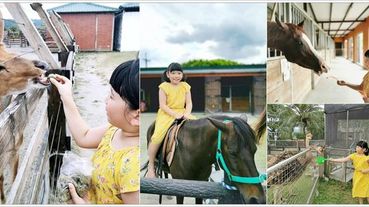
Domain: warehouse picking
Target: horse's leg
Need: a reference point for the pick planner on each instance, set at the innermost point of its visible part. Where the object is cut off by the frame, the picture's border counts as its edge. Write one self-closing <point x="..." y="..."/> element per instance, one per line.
<point x="2" y="194"/>
<point x="198" y="200"/>
<point x="180" y="199"/>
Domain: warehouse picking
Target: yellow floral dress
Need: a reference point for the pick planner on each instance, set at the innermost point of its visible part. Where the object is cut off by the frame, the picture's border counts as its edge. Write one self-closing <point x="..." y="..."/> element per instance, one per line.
<point x="360" y="188"/>
<point x="115" y="171"/>
<point x="176" y="100"/>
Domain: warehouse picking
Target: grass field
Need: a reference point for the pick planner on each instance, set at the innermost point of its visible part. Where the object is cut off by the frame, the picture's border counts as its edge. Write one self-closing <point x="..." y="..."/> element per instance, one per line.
<point x="294" y="192"/>
<point x="334" y="192"/>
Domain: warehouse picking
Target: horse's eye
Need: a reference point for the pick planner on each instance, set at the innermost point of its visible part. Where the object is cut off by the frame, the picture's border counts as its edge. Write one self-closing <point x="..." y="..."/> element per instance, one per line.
<point x="300" y="43"/>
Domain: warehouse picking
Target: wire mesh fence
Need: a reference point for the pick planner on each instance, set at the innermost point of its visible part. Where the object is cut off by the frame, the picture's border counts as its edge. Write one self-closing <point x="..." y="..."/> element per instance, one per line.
<point x="292" y="179"/>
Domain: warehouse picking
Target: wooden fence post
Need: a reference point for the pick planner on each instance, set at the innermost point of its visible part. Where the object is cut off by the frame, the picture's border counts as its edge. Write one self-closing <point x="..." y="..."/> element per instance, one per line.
<point x="30" y="32"/>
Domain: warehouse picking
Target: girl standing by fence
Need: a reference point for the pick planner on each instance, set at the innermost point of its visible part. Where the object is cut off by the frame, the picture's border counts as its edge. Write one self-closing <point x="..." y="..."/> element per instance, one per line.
<point x="175" y="103"/>
<point x="115" y="178"/>
<point x="360" y="160"/>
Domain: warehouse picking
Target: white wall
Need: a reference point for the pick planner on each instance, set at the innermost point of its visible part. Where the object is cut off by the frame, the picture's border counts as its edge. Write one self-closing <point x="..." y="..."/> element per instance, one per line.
<point x="130" y="32"/>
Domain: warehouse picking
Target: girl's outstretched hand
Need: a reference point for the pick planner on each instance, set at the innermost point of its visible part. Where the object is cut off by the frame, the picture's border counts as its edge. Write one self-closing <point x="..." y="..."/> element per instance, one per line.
<point x="63" y="84"/>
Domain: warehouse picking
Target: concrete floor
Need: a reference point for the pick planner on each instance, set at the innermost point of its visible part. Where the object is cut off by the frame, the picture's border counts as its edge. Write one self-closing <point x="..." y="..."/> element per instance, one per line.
<point x="328" y="92"/>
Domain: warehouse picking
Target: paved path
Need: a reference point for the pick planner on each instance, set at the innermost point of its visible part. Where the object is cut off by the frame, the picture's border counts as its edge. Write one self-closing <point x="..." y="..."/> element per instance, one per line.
<point x="328" y="92"/>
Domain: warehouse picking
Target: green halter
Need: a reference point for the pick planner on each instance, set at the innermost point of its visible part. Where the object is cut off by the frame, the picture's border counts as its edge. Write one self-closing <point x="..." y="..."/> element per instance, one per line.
<point x="233" y="178"/>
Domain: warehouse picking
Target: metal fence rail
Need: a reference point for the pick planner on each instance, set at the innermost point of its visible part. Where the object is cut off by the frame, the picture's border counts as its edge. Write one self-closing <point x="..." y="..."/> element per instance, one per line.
<point x="293" y="180"/>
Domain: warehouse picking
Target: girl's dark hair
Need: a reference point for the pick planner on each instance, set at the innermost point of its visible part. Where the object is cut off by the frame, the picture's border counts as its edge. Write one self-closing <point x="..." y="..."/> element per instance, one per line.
<point x="125" y="81"/>
<point x="366" y="54"/>
<point x="363" y="145"/>
<point x="173" y="67"/>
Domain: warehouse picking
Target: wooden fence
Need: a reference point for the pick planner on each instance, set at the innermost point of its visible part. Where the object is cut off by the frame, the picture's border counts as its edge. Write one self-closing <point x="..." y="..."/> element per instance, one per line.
<point x="38" y="116"/>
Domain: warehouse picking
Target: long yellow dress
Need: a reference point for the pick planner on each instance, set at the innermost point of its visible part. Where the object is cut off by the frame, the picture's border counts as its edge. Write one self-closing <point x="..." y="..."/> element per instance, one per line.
<point x="176" y="100"/>
<point x="360" y="188"/>
<point x="115" y="171"/>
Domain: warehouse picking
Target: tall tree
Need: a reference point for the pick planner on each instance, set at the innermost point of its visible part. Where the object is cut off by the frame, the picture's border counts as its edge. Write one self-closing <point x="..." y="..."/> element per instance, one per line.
<point x="286" y="117"/>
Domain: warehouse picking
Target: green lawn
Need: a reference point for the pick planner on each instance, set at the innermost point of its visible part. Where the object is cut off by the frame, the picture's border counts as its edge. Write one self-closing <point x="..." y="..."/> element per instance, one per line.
<point x="334" y="192"/>
<point x="294" y="192"/>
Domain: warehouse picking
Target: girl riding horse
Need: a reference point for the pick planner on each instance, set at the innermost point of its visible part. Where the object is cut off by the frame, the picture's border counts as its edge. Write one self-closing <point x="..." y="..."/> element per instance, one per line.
<point x="175" y="103"/>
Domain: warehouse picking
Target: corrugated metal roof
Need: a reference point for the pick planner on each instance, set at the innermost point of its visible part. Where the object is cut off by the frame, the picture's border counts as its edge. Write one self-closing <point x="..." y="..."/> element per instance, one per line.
<point x="211" y="70"/>
<point x="130" y="7"/>
<point x="83" y="8"/>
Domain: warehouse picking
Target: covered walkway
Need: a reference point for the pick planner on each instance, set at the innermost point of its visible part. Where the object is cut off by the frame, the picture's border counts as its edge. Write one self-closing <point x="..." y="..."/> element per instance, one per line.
<point x="328" y="92"/>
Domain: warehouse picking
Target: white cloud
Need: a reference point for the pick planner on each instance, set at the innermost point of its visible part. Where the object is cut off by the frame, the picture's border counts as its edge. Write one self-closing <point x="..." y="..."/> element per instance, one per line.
<point x="178" y="32"/>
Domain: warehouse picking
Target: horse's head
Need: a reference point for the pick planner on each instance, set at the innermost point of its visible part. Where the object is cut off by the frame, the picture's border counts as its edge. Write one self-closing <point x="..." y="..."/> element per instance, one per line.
<point x="297" y="47"/>
<point x="238" y="149"/>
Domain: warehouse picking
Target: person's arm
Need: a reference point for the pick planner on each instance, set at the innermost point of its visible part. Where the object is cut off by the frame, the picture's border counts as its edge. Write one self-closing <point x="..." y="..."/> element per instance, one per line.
<point x="365" y="171"/>
<point x="350" y="85"/>
<point x="163" y="105"/>
<point x="188" y="105"/>
<point x="130" y="197"/>
<point x="344" y="159"/>
<point x="84" y="136"/>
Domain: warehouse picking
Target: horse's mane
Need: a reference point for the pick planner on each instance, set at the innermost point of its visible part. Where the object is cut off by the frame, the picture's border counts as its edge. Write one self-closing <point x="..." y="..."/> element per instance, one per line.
<point x="243" y="130"/>
<point x="246" y="134"/>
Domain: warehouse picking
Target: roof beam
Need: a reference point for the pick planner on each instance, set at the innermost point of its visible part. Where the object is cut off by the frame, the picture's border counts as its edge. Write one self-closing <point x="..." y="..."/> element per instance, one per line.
<point x="344" y="18"/>
<point x="338" y="30"/>
<point x="341" y="21"/>
<point x="312" y="11"/>
<point x="362" y="13"/>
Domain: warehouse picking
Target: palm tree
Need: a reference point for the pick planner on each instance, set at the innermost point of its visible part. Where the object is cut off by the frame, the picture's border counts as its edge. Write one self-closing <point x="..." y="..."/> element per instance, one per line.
<point x="309" y="116"/>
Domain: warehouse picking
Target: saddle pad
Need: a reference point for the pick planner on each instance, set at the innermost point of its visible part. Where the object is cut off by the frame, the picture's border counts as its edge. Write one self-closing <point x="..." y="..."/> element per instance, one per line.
<point x="170" y="141"/>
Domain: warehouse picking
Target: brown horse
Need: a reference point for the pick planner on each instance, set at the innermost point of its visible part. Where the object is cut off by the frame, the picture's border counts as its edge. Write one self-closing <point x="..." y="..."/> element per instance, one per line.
<point x="197" y="146"/>
<point x="295" y="45"/>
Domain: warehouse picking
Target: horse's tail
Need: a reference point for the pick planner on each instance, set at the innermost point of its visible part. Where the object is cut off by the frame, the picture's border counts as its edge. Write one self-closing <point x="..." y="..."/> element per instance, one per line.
<point x="260" y="126"/>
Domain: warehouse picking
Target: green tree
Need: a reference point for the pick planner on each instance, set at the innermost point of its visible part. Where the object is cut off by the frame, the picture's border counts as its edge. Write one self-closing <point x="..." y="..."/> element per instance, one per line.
<point x="283" y="118"/>
<point x="209" y="63"/>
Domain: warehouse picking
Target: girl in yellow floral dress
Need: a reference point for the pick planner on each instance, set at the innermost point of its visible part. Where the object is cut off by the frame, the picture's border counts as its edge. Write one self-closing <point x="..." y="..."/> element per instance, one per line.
<point x="115" y="178"/>
<point x="175" y="103"/>
<point x="360" y="160"/>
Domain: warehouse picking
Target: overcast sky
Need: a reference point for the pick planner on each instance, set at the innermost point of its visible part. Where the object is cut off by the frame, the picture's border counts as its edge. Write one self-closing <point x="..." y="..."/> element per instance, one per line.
<point x="178" y="32"/>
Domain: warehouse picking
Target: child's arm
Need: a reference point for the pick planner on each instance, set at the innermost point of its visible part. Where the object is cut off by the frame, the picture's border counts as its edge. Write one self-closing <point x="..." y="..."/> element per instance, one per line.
<point x="84" y="135"/>
<point x="352" y="86"/>
<point x="130" y="197"/>
<point x="344" y="159"/>
<point x="163" y="105"/>
<point x="188" y="105"/>
<point x="365" y="171"/>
